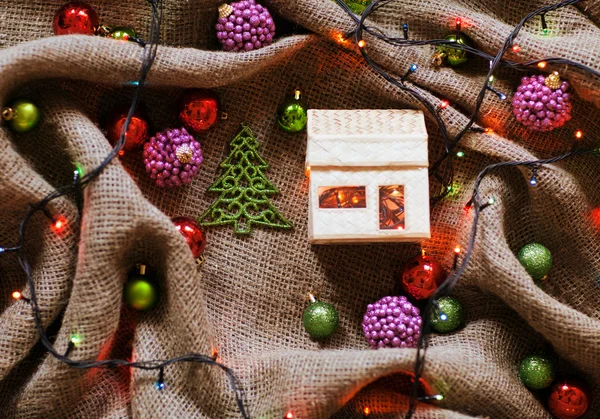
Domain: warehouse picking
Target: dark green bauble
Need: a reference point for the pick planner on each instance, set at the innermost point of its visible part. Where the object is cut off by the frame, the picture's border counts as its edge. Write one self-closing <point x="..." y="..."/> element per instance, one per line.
<point x="536" y="259"/>
<point x="453" y="56"/>
<point x="320" y="319"/>
<point x="141" y="292"/>
<point x="292" y="114"/>
<point x="357" y="6"/>
<point x="449" y="317"/>
<point x="537" y="371"/>
<point x="123" y="33"/>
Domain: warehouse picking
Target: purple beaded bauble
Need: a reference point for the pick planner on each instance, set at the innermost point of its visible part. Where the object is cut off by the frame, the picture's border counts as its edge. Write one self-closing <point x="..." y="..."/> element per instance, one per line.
<point x="542" y="103"/>
<point x="172" y="157"/>
<point x="244" y="26"/>
<point x="392" y="322"/>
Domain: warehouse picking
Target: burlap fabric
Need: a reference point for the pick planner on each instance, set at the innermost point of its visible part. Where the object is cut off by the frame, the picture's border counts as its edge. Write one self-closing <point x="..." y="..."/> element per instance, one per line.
<point x="248" y="298"/>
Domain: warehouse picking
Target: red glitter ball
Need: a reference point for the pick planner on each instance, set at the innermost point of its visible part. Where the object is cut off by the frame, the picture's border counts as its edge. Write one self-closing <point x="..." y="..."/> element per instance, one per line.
<point x="137" y="132"/>
<point x="193" y="233"/>
<point x="199" y="110"/>
<point x="569" y="399"/>
<point x="421" y="277"/>
<point x="75" y="17"/>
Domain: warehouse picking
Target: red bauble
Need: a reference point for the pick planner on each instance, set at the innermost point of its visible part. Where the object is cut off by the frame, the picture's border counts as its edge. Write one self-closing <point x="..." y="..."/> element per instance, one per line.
<point x="421" y="277"/>
<point x="199" y="110"/>
<point x="569" y="399"/>
<point x="76" y="17"/>
<point x="137" y="132"/>
<point x="193" y="233"/>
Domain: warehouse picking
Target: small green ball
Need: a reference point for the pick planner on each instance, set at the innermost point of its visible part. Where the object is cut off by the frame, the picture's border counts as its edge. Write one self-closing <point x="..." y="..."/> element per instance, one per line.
<point x="122" y="33"/>
<point x="537" y="371"/>
<point x="453" y="56"/>
<point x="141" y="293"/>
<point x="24" y="115"/>
<point x="450" y="316"/>
<point x="320" y="320"/>
<point x="536" y="259"/>
<point x="292" y="115"/>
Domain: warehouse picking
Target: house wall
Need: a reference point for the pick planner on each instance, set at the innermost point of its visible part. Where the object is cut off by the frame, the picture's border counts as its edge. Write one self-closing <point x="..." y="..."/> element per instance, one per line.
<point x="362" y="224"/>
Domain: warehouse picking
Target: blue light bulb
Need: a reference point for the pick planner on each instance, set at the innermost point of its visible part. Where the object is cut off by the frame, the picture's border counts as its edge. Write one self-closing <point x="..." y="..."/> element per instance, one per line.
<point x="414" y="67"/>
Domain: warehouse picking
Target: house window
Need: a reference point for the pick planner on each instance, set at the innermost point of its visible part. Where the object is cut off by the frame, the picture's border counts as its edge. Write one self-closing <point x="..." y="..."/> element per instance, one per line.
<point x="391" y="207"/>
<point x="342" y="197"/>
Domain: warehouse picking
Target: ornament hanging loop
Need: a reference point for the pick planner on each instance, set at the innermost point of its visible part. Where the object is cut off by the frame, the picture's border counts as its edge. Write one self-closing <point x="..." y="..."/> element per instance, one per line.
<point x="8" y="113"/>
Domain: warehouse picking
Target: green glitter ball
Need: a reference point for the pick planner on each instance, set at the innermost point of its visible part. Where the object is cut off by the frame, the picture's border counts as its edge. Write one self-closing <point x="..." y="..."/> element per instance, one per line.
<point x="358" y="6"/>
<point x="449" y="317"/>
<point x="320" y="319"/>
<point x="536" y="259"/>
<point x="537" y="371"/>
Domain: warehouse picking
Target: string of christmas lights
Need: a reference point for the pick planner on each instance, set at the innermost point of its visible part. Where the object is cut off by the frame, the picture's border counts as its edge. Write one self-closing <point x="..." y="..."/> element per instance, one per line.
<point x="450" y="144"/>
<point x="80" y="180"/>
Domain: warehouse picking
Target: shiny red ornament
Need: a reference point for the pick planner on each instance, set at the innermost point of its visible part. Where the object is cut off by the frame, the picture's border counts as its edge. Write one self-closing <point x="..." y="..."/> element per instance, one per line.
<point x="569" y="399"/>
<point x="75" y="17"/>
<point x="199" y="110"/>
<point x="193" y="233"/>
<point x="421" y="277"/>
<point x="137" y="132"/>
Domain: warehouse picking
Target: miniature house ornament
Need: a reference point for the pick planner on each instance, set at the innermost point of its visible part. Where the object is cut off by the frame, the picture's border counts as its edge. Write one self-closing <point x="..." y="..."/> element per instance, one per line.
<point x="368" y="176"/>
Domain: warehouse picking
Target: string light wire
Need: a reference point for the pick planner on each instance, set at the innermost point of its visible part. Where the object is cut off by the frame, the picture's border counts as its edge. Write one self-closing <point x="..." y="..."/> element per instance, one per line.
<point x="445" y="161"/>
<point x="79" y="182"/>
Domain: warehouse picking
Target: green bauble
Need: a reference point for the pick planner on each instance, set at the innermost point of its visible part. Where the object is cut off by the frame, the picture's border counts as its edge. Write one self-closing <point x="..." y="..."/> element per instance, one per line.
<point x="537" y="371"/>
<point x="453" y="56"/>
<point x="449" y="317"/>
<point x="357" y="6"/>
<point x="141" y="293"/>
<point x="320" y="319"/>
<point x="22" y="115"/>
<point x="536" y="259"/>
<point x="292" y="114"/>
<point x="123" y="33"/>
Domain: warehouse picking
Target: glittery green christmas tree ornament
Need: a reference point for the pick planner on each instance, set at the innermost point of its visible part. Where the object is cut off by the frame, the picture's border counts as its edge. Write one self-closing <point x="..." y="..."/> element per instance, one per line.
<point x="244" y="190"/>
<point x="320" y="319"/>
<point x="449" y="315"/>
<point x="536" y="259"/>
<point x="537" y="371"/>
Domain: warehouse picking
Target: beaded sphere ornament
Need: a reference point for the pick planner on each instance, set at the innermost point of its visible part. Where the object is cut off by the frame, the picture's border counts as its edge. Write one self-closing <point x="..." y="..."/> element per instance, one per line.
<point x="542" y="103"/>
<point x="392" y="322"/>
<point x="172" y="157"/>
<point x="244" y="26"/>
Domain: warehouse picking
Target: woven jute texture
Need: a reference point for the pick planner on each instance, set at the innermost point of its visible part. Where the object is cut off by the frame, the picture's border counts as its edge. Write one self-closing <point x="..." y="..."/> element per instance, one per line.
<point x="247" y="299"/>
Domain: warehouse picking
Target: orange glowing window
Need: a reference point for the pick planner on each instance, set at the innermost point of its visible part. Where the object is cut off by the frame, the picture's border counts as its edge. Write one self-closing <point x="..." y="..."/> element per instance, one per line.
<point x="342" y="197"/>
<point x="391" y="207"/>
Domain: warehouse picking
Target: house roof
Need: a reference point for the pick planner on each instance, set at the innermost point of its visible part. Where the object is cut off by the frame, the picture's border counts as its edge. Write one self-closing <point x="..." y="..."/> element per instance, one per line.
<point x="390" y="137"/>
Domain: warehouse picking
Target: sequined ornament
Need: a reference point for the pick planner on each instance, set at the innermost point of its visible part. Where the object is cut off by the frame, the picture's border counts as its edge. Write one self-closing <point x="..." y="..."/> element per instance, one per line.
<point x="199" y="110"/>
<point x="172" y="157"/>
<point x="453" y="57"/>
<point x="542" y="103"/>
<point x="569" y="399"/>
<point x="357" y="6"/>
<point x="137" y="132"/>
<point x="536" y="259"/>
<point x="193" y="234"/>
<point x="392" y="322"/>
<point x="141" y="291"/>
<point x="244" y="26"/>
<point x="22" y="115"/>
<point x="320" y="319"/>
<point x="75" y="17"/>
<point x="122" y="33"/>
<point x="292" y="115"/>
<point x="448" y="316"/>
<point x="537" y="371"/>
<point x="421" y="277"/>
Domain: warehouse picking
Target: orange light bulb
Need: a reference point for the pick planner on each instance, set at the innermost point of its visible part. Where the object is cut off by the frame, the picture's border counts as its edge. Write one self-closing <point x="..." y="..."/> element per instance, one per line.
<point x="578" y="134"/>
<point x="16" y="295"/>
<point x="361" y="43"/>
<point x="457" y="249"/>
<point x="542" y="64"/>
<point x="516" y="48"/>
<point x="367" y="411"/>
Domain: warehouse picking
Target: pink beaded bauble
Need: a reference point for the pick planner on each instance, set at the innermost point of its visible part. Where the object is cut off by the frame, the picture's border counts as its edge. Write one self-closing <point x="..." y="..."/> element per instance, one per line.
<point x="244" y="26"/>
<point x="172" y="157"/>
<point x="392" y="322"/>
<point x="542" y="103"/>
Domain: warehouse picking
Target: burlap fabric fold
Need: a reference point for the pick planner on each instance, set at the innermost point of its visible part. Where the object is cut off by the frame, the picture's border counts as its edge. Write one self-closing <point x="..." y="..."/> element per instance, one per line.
<point x="247" y="299"/>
